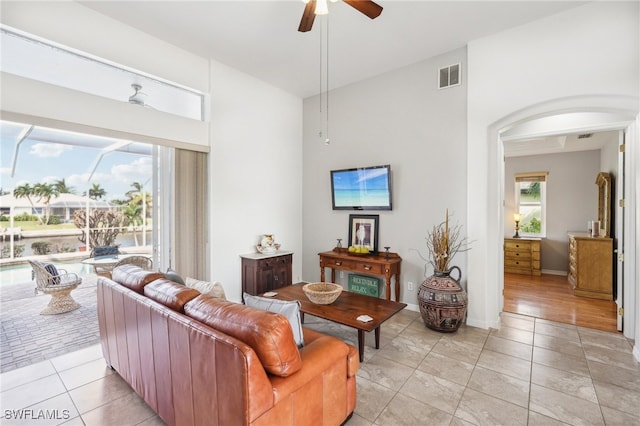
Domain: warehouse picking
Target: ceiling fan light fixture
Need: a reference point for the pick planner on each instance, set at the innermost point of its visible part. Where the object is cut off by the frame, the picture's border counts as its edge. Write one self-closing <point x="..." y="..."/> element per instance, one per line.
<point x="138" y="96"/>
<point x="321" y="7"/>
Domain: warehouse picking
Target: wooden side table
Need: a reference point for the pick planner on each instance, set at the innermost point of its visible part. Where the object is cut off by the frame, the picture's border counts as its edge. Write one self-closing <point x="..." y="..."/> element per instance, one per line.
<point x="387" y="265"/>
<point x="266" y="272"/>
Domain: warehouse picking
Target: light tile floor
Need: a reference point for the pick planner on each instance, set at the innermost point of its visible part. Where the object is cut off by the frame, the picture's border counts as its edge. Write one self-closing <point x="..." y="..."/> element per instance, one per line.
<point x="529" y="371"/>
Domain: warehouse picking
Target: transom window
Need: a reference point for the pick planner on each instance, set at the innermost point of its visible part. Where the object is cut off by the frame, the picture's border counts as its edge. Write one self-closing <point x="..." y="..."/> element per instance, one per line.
<point x="530" y="201"/>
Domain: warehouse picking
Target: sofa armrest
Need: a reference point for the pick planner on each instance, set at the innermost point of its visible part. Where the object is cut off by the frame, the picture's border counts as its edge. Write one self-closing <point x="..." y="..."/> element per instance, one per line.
<point x="353" y="358"/>
<point x="318" y="356"/>
<point x="353" y="361"/>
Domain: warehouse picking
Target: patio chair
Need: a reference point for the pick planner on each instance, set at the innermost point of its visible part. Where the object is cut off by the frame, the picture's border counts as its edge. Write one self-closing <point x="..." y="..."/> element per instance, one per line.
<point x="141" y="261"/>
<point x="57" y="283"/>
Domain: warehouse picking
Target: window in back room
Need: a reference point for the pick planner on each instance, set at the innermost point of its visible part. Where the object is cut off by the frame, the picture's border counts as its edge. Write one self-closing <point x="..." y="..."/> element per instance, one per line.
<point x="530" y="201"/>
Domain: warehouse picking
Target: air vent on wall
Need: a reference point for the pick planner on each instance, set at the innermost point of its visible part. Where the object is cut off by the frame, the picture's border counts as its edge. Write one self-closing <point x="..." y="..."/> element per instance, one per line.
<point x="585" y="136"/>
<point x="449" y="76"/>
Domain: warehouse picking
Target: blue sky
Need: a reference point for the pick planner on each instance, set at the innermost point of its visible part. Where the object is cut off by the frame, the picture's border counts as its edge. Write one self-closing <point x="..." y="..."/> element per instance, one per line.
<point x="376" y="178"/>
<point x="40" y="162"/>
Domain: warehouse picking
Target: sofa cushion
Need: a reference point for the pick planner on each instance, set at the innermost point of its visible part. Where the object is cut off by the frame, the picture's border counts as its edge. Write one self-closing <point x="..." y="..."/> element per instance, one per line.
<point x="268" y="333"/>
<point x="214" y="289"/>
<point x="134" y="277"/>
<point x="170" y="294"/>
<point x="290" y="309"/>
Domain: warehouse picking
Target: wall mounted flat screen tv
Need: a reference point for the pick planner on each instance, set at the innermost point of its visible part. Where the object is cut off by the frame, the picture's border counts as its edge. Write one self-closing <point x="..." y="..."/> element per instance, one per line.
<point x="364" y="188"/>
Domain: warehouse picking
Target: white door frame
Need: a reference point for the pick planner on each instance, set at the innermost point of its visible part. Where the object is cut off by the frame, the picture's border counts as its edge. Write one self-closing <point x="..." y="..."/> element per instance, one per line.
<point x="624" y="112"/>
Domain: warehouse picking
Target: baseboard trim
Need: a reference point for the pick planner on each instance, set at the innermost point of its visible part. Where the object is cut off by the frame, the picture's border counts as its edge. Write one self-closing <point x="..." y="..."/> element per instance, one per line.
<point x="552" y="272"/>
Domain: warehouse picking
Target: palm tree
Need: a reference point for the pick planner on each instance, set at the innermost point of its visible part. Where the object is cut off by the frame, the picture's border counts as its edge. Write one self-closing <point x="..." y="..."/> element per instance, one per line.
<point x="96" y="192"/>
<point x="26" y="191"/>
<point x="62" y="188"/>
<point x="137" y="190"/>
<point x="46" y="191"/>
<point x="133" y="216"/>
<point x="139" y="197"/>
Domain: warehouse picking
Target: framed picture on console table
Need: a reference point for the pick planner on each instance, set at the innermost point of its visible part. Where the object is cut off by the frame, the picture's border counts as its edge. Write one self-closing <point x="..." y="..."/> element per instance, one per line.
<point x="363" y="231"/>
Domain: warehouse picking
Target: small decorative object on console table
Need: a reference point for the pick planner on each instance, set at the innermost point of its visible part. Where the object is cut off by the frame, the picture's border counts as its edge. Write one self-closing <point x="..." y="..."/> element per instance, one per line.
<point x="372" y="264"/>
<point x="363" y="233"/>
<point x="268" y="245"/>
<point x="442" y="301"/>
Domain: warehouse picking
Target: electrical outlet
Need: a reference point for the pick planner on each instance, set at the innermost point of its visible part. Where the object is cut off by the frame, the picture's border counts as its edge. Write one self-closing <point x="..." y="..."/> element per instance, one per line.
<point x="410" y="285"/>
<point x="341" y="274"/>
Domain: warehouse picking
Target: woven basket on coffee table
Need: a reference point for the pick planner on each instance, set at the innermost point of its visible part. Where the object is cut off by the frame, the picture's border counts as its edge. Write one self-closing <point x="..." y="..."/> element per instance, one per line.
<point x="322" y="293"/>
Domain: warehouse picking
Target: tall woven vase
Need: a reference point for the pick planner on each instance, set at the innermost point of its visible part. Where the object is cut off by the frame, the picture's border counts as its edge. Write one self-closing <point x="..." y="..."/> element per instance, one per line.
<point x="443" y="302"/>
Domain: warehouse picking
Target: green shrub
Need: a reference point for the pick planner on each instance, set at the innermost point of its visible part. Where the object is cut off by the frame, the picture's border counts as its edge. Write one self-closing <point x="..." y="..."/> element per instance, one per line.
<point x="63" y="248"/>
<point x="18" y="249"/>
<point x="54" y="220"/>
<point x="25" y="217"/>
<point x="40" y="247"/>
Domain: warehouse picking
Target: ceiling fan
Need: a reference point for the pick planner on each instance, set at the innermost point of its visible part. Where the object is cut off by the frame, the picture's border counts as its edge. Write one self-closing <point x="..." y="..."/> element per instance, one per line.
<point x="319" y="7"/>
<point x="138" y="97"/>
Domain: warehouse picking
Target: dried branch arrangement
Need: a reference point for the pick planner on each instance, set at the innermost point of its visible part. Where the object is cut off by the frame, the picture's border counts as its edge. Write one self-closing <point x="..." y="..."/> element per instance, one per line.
<point x="443" y="243"/>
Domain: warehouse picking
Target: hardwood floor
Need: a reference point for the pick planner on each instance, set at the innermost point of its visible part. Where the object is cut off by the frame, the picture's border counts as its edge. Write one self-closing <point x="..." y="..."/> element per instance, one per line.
<point x="551" y="297"/>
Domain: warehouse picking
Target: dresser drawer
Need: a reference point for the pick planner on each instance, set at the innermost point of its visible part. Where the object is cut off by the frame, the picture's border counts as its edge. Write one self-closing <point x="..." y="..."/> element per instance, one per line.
<point x="517" y="263"/>
<point x="338" y="264"/>
<point x="518" y="254"/>
<point x="518" y="245"/>
<point x="371" y="268"/>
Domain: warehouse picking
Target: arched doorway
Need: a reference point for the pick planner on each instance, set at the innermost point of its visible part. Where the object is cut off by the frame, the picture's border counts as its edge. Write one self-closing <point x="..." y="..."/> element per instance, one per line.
<point x="588" y="113"/>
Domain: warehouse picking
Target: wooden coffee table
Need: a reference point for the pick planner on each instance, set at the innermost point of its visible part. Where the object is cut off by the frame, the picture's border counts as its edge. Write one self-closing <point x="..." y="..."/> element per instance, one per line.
<point x="346" y="309"/>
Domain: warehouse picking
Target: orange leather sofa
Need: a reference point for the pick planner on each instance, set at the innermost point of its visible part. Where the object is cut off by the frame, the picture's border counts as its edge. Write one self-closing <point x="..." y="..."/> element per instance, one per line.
<point x="198" y="360"/>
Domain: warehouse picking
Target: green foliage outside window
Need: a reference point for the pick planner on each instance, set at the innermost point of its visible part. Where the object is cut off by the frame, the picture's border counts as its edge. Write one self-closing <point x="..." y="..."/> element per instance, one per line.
<point x="533" y="226"/>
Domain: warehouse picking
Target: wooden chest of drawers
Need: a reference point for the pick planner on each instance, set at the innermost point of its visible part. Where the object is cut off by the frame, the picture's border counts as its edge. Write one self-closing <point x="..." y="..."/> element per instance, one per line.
<point x="262" y="273"/>
<point x="522" y="256"/>
<point x="591" y="265"/>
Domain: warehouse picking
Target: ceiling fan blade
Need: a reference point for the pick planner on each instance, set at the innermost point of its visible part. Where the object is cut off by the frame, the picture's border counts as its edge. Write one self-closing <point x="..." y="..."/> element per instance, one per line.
<point x="369" y="8"/>
<point x="307" y="17"/>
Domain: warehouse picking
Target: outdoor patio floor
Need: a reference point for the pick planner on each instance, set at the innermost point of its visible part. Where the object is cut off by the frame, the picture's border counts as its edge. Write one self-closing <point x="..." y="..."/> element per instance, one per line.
<point x="26" y="337"/>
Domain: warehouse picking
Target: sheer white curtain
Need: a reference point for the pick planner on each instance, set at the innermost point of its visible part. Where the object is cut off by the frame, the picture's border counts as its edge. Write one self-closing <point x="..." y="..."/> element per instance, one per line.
<point x="189" y="248"/>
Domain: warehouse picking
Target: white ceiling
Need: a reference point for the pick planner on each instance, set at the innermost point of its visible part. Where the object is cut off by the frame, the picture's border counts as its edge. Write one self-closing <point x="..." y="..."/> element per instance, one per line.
<point x="260" y="38"/>
<point x="584" y="141"/>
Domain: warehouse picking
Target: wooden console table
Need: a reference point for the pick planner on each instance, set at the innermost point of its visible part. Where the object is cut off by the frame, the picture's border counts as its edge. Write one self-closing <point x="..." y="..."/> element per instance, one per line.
<point x="373" y="264"/>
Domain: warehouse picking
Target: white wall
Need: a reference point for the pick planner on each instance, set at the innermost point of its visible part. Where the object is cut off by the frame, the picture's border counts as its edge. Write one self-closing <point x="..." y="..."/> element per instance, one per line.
<point x="398" y="118"/>
<point x="255" y="173"/>
<point x="565" y="56"/>
<point x="78" y="27"/>
<point x="572" y="199"/>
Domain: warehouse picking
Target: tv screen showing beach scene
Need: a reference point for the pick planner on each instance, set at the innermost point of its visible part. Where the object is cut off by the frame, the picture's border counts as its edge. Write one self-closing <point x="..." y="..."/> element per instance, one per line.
<point x="364" y="188"/>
